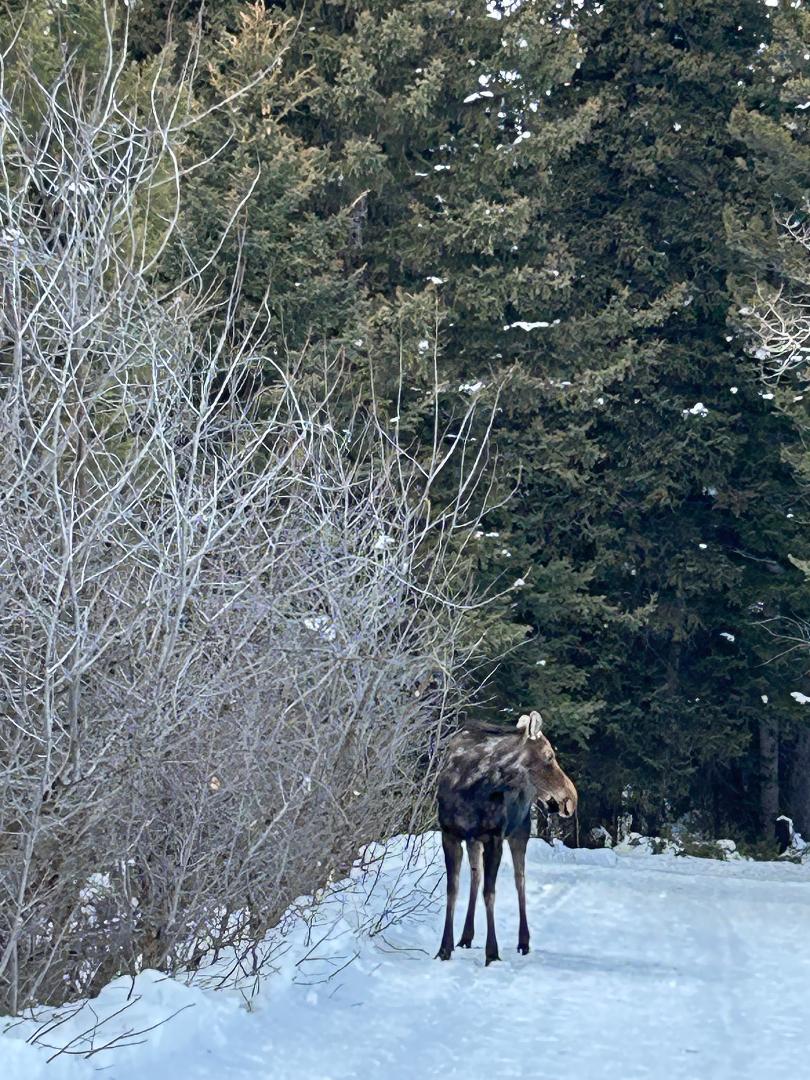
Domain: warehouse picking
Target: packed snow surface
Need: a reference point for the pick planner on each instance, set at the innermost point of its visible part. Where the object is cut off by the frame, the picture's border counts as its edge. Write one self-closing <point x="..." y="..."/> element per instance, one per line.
<point x="642" y="966"/>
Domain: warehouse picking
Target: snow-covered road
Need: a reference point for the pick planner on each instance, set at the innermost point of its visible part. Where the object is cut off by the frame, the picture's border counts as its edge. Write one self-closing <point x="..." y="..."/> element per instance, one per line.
<point x="642" y="966"/>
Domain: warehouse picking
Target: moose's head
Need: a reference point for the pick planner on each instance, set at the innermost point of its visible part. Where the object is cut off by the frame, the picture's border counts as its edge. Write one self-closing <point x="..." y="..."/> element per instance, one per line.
<point x="553" y="786"/>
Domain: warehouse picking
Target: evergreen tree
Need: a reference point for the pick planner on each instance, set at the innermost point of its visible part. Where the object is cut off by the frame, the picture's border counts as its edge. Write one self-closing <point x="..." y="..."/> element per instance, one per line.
<point x="684" y="501"/>
<point x="581" y="206"/>
<point x="379" y="147"/>
<point x="427" y="112"/>
<point x="534" y="199"/>
<point x="766" y="223"/>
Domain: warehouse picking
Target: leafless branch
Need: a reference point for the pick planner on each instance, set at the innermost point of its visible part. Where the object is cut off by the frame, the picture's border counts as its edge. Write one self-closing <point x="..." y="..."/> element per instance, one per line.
<point x="233" y="622"/>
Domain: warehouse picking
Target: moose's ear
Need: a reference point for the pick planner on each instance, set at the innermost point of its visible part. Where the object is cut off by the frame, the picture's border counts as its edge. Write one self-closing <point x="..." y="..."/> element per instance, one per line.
<point x="532" y="724"/>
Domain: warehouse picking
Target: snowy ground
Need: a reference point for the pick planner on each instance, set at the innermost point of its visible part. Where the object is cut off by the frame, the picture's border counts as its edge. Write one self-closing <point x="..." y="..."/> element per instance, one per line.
<point x="642" y="967"/>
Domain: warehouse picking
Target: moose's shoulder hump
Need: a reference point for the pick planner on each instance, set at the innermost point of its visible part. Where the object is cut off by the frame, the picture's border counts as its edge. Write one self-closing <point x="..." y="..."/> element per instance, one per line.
<point x="475" y="757"/>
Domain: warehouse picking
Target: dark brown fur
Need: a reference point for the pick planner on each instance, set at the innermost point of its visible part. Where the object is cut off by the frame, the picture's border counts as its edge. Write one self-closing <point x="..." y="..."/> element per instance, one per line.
<point x="486" y="790"/>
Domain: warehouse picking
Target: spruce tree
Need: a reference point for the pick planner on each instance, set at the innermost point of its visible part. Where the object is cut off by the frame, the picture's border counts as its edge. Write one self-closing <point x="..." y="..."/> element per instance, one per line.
<point x="559" y="201"/>
<point x="766" y="219"/>
<point x="387" y="142"/>
<point x="534" y="199"/>
<point x="684" y="505"/>
<point x="429" y="115"/>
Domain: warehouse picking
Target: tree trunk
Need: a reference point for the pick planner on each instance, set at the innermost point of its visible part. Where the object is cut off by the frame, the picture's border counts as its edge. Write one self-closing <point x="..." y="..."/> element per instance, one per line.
<point x="800" y="801"/>
<point x="768" y="774"/>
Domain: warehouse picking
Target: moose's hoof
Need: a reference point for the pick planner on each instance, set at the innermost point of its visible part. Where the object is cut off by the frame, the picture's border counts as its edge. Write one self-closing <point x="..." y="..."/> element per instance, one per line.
<point x="465" y="943"/>
<point x="492" y="959"/>
<point x="523" y="950"/>
<point x="443" y="954"/>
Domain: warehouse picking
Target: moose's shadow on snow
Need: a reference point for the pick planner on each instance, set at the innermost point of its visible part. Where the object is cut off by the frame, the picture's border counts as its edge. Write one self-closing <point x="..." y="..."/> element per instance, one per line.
<point x="602" y="964"/>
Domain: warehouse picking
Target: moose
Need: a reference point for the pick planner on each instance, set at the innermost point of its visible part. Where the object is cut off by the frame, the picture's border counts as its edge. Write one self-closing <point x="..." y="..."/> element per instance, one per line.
<point x="486" y="789"/>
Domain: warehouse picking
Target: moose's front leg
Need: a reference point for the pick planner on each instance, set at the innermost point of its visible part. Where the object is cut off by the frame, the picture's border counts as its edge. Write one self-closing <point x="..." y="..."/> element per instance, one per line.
<point x="517" y="845"/>
<point x="475" y="855"/>
<point x="452" y="862"/>
<point x="493" y="849"/>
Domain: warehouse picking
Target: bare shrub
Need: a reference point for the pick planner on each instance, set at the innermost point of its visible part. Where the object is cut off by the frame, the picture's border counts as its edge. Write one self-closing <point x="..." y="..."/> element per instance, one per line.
<point x="232" y="625"/>
<point x="778" y="318"/>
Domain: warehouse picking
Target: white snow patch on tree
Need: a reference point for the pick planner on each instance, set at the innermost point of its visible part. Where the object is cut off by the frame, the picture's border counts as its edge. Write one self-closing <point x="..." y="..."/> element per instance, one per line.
<point x="522" y="324"/>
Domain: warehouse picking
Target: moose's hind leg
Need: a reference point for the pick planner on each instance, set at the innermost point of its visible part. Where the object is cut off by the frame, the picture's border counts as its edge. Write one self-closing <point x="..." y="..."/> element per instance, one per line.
<point x="452" y="862"/>
<point x="475" y="854"/>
